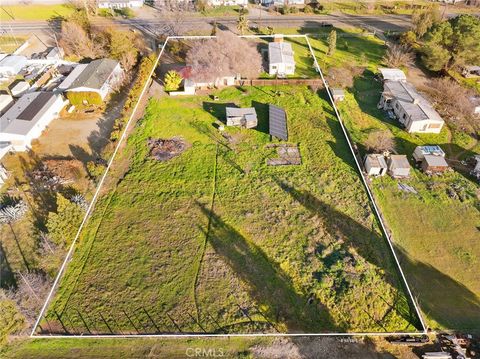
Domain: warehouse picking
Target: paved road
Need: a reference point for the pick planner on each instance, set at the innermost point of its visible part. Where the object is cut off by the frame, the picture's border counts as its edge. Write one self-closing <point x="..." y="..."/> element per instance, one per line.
<point x="379" y="23"/>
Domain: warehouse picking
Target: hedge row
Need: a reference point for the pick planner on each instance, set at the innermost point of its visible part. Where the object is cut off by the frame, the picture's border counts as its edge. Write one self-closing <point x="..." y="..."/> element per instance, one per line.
<point x="144" y="69"/>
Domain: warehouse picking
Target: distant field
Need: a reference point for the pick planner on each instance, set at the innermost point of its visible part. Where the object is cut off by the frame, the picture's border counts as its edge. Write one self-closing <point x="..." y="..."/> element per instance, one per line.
<point x="9" y="44"/>
<point x="217" y="241"/>
<point x="437" y="236"/>
<point x="33" y="12"/>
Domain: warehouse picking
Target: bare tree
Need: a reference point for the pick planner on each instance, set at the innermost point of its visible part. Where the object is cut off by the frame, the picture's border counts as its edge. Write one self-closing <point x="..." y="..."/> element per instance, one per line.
<point x="32" y="288"/>
<point x="398" y="55"/>
<point x="76" y="41"/>
<point x="452" y="101"/>
<point x="380" y="141"/>
<point x="226" y="55"/>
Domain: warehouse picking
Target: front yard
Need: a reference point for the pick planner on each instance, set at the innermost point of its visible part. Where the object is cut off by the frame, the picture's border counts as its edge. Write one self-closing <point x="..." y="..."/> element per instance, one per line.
<point x="215" y="240"/>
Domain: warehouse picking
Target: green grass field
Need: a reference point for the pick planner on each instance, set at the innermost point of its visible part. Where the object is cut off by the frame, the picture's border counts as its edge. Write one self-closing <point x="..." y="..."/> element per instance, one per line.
<point x="217" y="241"/>
<point x="437" y="236"/>
<point x="34" y="12"/>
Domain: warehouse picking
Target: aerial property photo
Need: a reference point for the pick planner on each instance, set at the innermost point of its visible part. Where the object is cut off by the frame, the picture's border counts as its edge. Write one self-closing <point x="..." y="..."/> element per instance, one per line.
<point x="240" y="180"/>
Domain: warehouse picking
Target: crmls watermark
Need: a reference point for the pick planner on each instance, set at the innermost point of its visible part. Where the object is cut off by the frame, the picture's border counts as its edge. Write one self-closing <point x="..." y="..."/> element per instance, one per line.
<point x="348" y="340"/>
<point x="205" y="352"/>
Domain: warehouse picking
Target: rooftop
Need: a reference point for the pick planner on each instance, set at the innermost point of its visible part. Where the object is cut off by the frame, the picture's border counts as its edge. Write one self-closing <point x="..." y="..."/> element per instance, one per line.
<point x="25" y="113"/>
<point x="280" y="52"/>
<point x="95" y="74"/>
<point x="392" y="74"/>
<point x="399" y="161"/>
<point x="431" y="150"/>
<point x="376" y="160"/>
<point x="414" y="104"/>
<point x="239" y="112"/>
<point x="435" y="161"/>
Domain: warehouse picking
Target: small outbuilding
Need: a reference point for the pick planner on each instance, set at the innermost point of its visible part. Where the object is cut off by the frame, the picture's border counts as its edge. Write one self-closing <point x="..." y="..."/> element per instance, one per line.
<point x="398" y="166"/>
<point x="388" y="74"/>
<point x="337" y="94"/>
<point x="5" y="102"/>
<point x="241" y="117"/>
<point x="20" y="88"/>
<point x="375" y="164"/>
<point x="421" y="151"/>
<point x="434" y="164"/>
<point x="471" y="71"/>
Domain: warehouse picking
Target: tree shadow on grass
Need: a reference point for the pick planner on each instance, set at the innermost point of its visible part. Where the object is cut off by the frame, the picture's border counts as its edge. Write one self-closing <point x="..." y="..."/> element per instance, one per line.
<point x="268" y="284"/>
<point x="450" y="303"/>
<point x="368" y="244"/>
<point x="7" y="279"/>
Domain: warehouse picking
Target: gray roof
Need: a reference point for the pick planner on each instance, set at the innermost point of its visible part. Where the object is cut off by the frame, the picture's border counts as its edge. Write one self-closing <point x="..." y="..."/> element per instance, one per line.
<point x="280" y="52"/>
<point x="376" y="160"/>
<point x="399" y="161"/>
<point x="415" y="105"/>
<point x="240" y="112"/>
<point x="435" y="161"/>
<point x="277" y="120"/>
<point x="95" y="74"/>
<point x="25" y="113"/>
<point x="337" y="92"/>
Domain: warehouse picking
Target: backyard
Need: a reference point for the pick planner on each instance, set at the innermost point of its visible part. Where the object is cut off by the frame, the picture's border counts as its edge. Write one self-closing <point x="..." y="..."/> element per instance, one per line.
<point x="436" y="230"/>
<point x="214" y="240"/>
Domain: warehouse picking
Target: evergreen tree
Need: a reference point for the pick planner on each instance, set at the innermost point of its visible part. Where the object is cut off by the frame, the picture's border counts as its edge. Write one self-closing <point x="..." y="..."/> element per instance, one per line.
<point x="332" y="42"/>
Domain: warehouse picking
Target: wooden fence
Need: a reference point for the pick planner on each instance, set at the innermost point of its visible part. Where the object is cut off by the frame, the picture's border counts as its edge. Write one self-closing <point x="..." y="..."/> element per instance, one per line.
<point x="279" y="82"/>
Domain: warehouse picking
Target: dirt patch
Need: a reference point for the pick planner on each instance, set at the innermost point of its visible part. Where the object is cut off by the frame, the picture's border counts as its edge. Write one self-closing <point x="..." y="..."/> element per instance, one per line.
<point x="166" y="149"/>
<point x="67" y="169"/>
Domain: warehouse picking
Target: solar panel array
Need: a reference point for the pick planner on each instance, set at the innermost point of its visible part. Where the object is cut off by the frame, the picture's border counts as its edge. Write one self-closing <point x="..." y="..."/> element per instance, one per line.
<point x="277" y="119"/>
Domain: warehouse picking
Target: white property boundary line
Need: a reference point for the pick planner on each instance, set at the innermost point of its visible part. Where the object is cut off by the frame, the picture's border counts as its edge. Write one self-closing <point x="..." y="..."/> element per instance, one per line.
<point x="99" y="187"/>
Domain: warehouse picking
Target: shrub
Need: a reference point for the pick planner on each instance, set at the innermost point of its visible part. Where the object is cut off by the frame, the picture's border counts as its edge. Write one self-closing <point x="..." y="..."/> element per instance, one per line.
<point x="398" y="55"/>
<point x="308" y="9"/>
<point x="95" y="169"/>
<point x="63" y="224"/>
<point x="172" y="81"/>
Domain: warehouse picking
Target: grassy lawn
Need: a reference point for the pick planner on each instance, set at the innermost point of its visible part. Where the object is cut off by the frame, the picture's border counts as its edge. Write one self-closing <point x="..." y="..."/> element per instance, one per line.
<point x="436" y="235"/>
<point x="34" y="12"/>
<point x="214" y="240"/>
<point x="220" y="11"/>
<point x="9" y="44"/>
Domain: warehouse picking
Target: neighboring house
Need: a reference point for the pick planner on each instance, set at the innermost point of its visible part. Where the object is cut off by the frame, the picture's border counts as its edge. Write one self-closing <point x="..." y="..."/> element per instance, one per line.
<point x="90" y="83"/>
<point x="282" y="2"/>
<point x="5" y="102"/>
<point x="471" y="71"/>
<point x="241" y="117"/>
<point x="337" y="94"/>
<point x="3" y="170"/>
<point x="421" y="151"/>
<point x="398" y="166"/>
<point x="280" y="59"/>
<point x="28" y="117"/>
<point x="54" y="53"/>
<point x="12" y="65"/>
<point x="434" y="164"/>
<point x="375" y="165"/>
<point x="20" y="88"/>
<point x="119" y="4"/>
<point x="388" y="74"/>
<point x="476" y="170"/>
<point x="218" y="82"/>
<point x="476" y="105"/>
<point x="410" y="108"/>
<point x="228" y="2"/>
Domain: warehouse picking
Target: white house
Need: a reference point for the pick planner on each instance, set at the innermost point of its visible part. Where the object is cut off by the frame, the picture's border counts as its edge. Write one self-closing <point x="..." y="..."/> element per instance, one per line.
<point x="280" y="59"/>
<point x="119" y="4"/>
<point x="5" y="101"/>
<point x="375" y="164"/>
<point x="12" y="65"/>
<point x="410" y="108"/>
<point x="28" y="117"/>
<point x="20" y="88"/>
<point x="99" y="76"/>
<point x="389" y="74"/>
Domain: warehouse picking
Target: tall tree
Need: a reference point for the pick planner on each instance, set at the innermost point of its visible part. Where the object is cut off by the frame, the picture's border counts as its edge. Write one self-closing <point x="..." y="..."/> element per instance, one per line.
<point x="452" y="43"/>
<point x="423" y="20"/>
<point x="332" y="42"/>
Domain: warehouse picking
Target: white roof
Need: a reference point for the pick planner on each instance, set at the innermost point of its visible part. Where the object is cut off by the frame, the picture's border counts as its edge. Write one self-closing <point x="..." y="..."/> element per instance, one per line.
<point x="5" y="101"/>
<point x="20" y="86"/>
<point x="280" y="52"/>
<point x="14" y="61"/>
<point x="392" y="74"/>
<point x="430" y="150"/>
